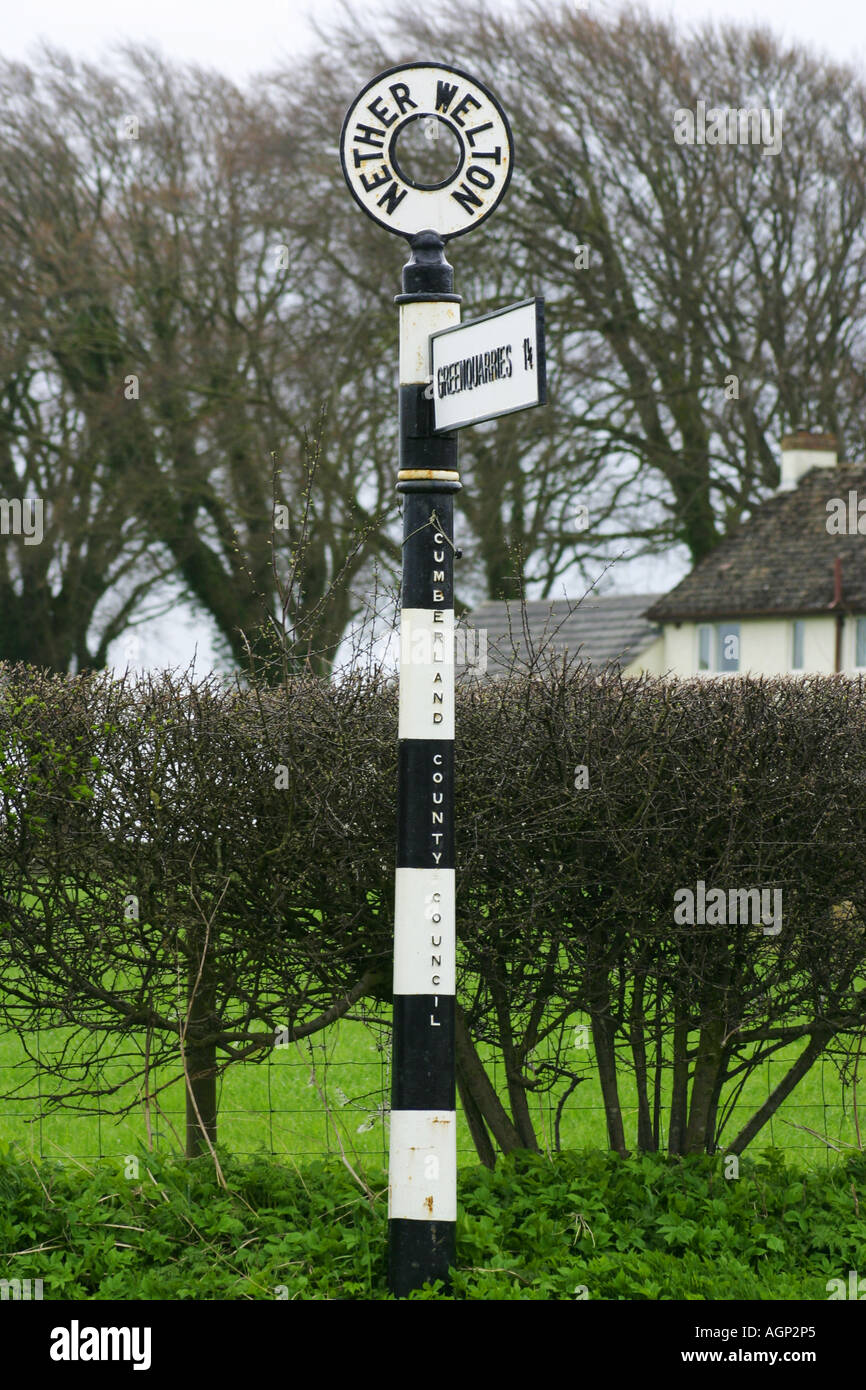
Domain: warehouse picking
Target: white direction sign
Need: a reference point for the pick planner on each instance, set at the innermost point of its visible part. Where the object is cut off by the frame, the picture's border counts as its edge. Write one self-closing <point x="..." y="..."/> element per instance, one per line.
<point x="437" y="96"/>
<point x="489" y="366"/>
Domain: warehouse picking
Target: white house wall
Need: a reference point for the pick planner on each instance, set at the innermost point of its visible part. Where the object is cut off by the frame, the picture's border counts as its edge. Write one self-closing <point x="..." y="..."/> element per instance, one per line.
<point x="652" y="660"/>
<point x="765" y="648"/>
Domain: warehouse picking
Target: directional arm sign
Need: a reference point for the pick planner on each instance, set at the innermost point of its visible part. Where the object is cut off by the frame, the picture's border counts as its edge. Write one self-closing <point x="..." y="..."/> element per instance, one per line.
<point x="489" y="366"/>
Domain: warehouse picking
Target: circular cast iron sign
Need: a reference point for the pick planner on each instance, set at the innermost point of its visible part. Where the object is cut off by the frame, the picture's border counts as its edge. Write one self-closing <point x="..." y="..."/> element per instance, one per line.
<point x="437" y="96"/>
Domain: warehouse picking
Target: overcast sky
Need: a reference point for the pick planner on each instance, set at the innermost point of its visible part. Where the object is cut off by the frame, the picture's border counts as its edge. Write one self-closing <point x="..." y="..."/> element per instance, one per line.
<point x="248" y="37"/>
<point x="242" y="39"/>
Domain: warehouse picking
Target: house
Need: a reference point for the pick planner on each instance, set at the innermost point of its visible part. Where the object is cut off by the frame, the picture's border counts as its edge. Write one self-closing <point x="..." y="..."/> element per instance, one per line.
<point x="784" y="595"/>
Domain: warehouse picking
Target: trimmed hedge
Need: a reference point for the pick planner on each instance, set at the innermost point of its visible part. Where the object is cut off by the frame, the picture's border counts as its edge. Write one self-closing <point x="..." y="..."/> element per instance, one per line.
<point x="190" y="871"/>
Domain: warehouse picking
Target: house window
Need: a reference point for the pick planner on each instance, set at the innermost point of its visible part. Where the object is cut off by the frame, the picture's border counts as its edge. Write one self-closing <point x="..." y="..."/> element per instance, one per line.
<point x="861" y="642"/>
<point x="728" y="650"/>
<point x="798" y="633"/>
<point x="719" y="647"/>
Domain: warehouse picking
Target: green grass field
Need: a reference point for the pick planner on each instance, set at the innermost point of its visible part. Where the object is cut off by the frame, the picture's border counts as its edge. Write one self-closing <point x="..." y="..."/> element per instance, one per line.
<point x="276" y="1107"/>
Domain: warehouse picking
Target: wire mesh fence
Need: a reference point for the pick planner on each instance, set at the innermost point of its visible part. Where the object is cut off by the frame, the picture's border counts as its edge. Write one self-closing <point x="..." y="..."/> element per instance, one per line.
<point x="329" y="1096"/>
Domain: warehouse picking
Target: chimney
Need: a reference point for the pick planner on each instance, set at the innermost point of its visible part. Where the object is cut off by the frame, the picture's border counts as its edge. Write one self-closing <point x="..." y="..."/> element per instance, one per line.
<point x="802" y="451"/>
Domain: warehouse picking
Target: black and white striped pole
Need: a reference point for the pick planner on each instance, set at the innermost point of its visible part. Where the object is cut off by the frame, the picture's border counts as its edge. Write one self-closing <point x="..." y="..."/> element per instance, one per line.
<point x="423" y="1149"/>
<point x="422" y="1208"/>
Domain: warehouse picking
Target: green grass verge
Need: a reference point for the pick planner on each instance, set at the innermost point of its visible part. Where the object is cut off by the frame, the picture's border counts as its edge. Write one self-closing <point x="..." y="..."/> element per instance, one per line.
<point x="581" y="1225"/>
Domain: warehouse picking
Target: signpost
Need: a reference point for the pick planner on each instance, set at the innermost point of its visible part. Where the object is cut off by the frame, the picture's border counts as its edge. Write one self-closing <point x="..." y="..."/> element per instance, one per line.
<point x="422" y="1206"/>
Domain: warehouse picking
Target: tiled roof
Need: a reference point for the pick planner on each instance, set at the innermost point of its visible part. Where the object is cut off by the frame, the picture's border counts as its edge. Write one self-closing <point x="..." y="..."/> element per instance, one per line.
<point x="779" y="561"/>
<point x="597" y="630"/>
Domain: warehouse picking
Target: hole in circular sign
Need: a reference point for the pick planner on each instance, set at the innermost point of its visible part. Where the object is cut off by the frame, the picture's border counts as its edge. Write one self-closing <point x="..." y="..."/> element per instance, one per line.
<point x="426" y="153"/>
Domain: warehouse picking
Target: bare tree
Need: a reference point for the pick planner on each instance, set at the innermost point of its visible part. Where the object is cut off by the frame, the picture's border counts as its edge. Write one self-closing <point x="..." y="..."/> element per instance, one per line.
<point x="702" y="298"/>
